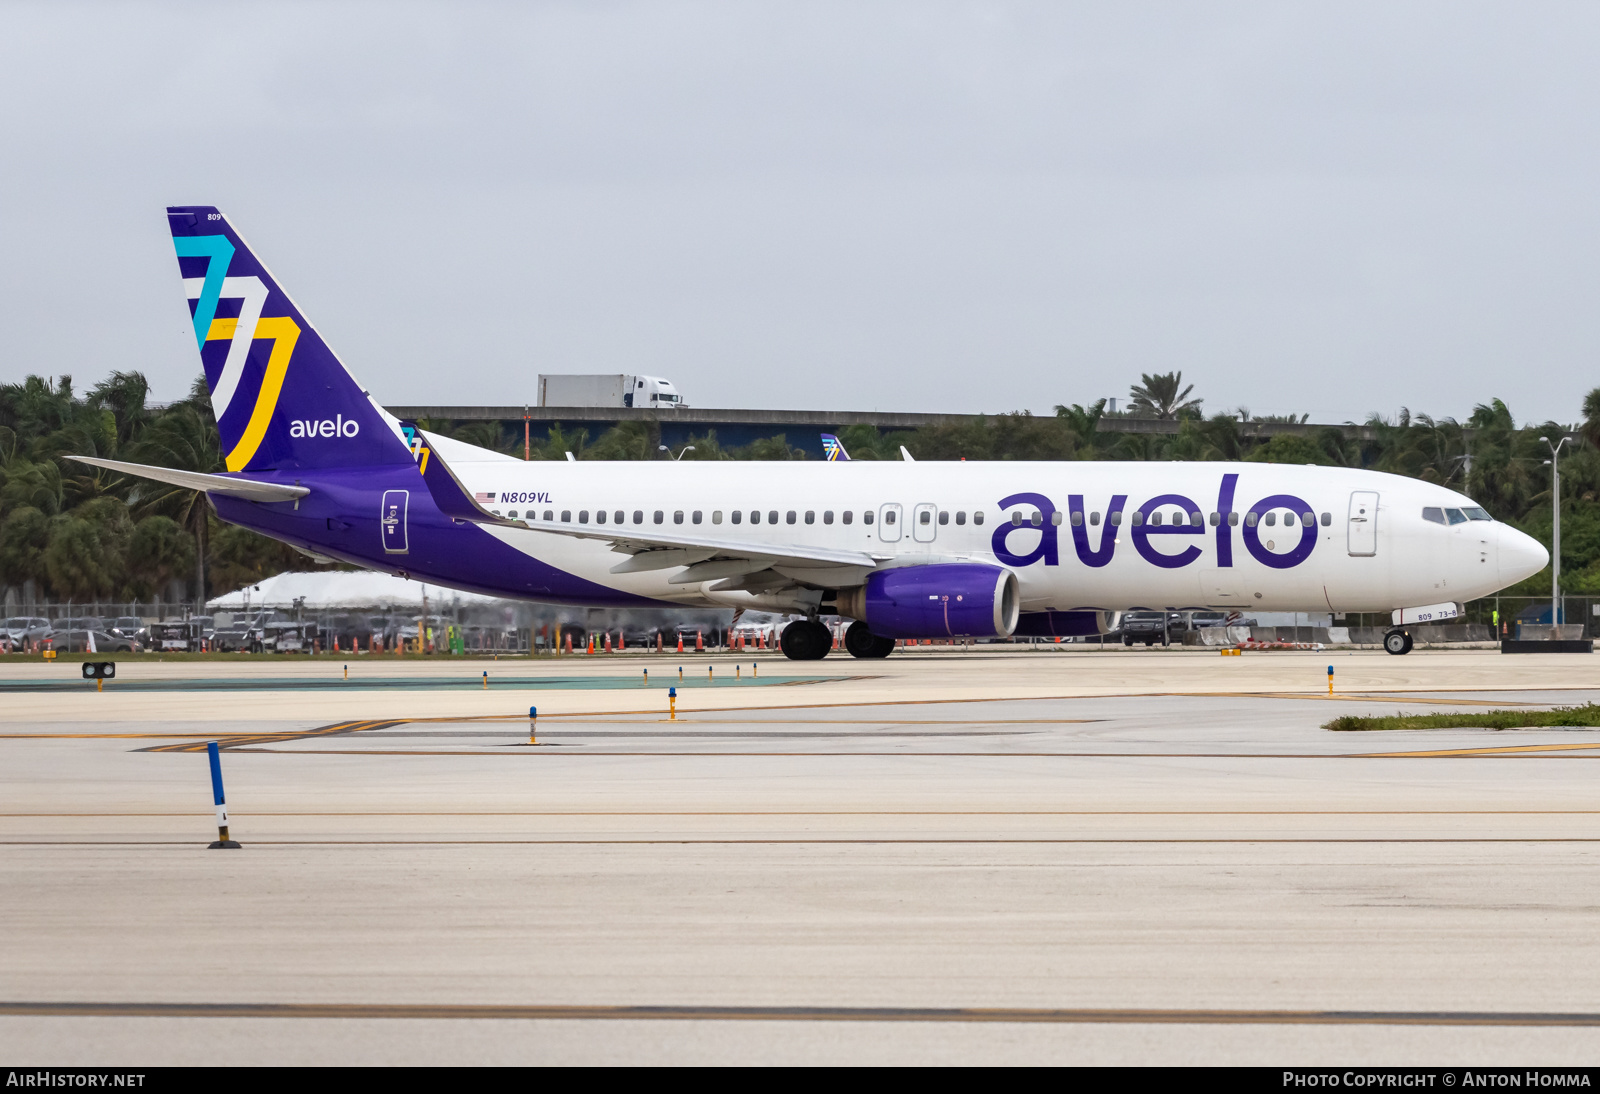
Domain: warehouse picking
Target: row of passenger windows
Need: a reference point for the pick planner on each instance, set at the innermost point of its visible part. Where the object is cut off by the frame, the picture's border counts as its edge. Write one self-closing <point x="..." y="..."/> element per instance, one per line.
<point x="1455" y="516"/>
<point x="1177" y="518"/>
<point x="736" y="516"/>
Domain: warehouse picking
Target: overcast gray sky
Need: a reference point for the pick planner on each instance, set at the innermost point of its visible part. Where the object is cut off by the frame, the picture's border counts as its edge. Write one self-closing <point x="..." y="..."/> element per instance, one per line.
<point x="1328" y="208"/>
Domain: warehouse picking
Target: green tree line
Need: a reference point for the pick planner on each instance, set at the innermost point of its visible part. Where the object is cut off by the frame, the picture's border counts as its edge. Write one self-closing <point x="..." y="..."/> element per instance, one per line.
<point x="71" y="531"/>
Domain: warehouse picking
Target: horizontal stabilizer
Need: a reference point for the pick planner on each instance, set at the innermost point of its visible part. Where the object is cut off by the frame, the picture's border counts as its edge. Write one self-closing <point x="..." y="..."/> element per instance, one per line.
<point x="248" y="489"/>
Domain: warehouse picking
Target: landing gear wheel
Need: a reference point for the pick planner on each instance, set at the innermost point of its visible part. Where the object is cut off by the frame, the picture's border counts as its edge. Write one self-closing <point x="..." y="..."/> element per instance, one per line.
<point x="861" y="642"/>
<point x="805" y="640"/>
<point x="1397" y="642"/>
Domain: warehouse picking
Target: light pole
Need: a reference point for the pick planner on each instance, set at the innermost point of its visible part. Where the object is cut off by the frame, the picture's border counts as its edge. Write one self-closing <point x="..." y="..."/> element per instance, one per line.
<point x="1555" y="528"/>
<point x="668" y="451"/>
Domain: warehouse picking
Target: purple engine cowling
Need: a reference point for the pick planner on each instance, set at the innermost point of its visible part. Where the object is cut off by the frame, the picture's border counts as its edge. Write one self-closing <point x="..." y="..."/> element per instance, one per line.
<point x="940" y="600"/>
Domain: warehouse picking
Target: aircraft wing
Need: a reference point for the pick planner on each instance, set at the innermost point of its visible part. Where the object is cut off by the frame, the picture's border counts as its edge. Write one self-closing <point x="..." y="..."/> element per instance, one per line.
<point x="248" y="489"/>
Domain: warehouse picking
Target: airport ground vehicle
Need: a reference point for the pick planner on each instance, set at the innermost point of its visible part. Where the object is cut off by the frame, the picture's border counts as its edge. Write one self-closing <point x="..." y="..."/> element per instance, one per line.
<point x="904" y="549"/>
<point x="184" y="636"/>
<point x="284" y="638"/>
<point x="231" y="639"/>
<point x="608" y="389"/>
<point x="1151" y="627"/>
<point x="129" y="626"/>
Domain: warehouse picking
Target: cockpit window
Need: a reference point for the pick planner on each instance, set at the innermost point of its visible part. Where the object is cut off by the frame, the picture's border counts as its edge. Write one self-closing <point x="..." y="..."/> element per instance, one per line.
<point x="1433" y="514"/>
<point x="1456" y="516"/>
<point x="1474" y="513"/>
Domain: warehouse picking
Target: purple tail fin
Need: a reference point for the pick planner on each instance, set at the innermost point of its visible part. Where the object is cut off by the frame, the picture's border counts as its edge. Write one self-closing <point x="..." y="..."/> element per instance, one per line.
<point x="282" y="399"/>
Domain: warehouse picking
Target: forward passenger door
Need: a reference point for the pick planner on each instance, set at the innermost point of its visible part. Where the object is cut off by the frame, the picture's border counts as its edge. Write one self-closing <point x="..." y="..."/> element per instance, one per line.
<point x="1363" y="523"/>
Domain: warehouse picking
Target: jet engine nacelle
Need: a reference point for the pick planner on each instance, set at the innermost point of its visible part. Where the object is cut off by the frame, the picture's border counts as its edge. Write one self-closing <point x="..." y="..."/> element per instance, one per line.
<point x="939" y="600"/>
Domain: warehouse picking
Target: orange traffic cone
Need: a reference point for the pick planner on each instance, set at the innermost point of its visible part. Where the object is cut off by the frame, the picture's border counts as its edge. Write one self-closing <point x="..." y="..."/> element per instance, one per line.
<point x="622" y="641"/>
<point x="591" y="643"/>
<point x="658" y="641"/>
<point x="680" y="643"/>
<point x="608" y="641"/>
<point x="699" y="643"/>
<point x="569" y="641"/>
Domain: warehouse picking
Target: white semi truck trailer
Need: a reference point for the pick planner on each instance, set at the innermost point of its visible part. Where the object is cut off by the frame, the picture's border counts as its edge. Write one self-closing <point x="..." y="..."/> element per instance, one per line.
<point x="608" y="389"/>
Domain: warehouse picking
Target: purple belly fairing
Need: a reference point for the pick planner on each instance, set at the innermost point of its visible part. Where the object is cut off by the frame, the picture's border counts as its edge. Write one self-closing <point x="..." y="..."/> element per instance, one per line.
<point x="341" y="518"/>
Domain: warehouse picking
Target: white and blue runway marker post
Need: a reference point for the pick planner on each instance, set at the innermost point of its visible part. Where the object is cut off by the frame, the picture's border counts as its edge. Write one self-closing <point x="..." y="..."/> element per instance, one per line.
<point x="220" y="798"/>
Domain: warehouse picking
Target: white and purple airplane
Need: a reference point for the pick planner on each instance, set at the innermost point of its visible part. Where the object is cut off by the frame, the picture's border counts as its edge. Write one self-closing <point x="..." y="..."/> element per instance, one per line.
<point x="903" y="549"/>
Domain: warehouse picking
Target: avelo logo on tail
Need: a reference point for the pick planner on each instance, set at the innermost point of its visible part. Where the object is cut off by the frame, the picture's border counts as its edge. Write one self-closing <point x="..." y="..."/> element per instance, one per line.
<point x="279" y="393"/>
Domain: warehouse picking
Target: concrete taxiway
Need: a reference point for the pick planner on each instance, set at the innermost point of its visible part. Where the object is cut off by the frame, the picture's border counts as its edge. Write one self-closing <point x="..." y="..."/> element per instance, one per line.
<point x="1063" y="856"/>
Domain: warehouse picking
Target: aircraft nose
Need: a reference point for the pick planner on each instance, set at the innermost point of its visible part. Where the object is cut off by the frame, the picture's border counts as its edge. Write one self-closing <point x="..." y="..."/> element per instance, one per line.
<point x="1520" y="556"/>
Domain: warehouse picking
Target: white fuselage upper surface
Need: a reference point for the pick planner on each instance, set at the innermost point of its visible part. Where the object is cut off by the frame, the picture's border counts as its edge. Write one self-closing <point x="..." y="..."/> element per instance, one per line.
<point x="1050" y="523"/>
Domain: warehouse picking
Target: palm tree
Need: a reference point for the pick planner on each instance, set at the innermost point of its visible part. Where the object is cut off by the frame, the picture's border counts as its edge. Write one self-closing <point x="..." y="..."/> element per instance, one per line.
<point x="1160" y="397"/>
<point x="185" y="437"/>
<point x="1591" y="417"/>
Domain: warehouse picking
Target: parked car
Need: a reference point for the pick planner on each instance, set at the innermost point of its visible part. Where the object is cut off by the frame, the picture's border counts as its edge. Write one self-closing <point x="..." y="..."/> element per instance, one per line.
<point x="128" y="626"/>
<point x="1151" y="627"/>
<point x="77" y="641"/>
<point x="26" y="628"/>
<point x="79" y="623"/>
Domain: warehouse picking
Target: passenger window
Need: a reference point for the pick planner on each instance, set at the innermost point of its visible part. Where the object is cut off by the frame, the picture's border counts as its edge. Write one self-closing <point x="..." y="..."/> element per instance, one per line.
<point x="600" y="517"/>
<point x="1016" y="518"/>
<point x="961" y="516"/>
<point x="548" y="514"/>
<point x="566" y="516"/>
<point x="1077" y="519"/>
<point x="1155" y="518"/>
<point x="1137" y="518"/>
<point x="1272" y="519"/>
<point x="1094" y="517"/>
<point x="977" y="516"/>
<point x="677" y="517"/>
<point x="866" y="517"/>
<point x="1216" y="519"/>
<point x="944" y="516"/>
<point x="1036" y="519"/>
<point x="888" y="518"/>
<point x="827" y="516"/>
<point x="788" y="518"/>
<point x="659" y="516"/>
<point x="1196" y="520"/>
<point x="619" y="516"/>
<point x="845" y="516"/>
<point x="1233" y="520"/>
<point x="716" y="517"/>
<point x="1288" y="520"/>
<point x="1456" y="516"/>
<point x="497" y="512"/>
<point x="1433" y="514"/>
<point x="755" y="516"/>
<point x="1327" y="519"/>
<point x="695" y="517"/>
<point x="513" y="513"/>
<point x="811" y="516"/>
<point x="772" y="517"/>
<point x="1250" y="520"/>
<point x="925" y="517"/>
<point x="1308" y="519"/>
<point x="638" y="516"/>
<point x="583" y="516"/>
<point x="1055" y="518"/>
<point x="1115" y="518"/>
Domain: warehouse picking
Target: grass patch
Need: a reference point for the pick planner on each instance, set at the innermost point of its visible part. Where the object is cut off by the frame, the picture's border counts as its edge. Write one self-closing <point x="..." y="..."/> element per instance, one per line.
<point x="1586" y="715"/>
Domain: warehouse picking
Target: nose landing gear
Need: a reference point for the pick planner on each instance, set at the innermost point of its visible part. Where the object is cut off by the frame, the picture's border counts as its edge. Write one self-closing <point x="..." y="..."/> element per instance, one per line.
<point x="1397" y="642"/>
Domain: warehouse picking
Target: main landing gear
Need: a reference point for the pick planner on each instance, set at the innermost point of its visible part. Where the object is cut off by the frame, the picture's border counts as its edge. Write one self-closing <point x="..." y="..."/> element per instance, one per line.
<point x="1397" y="642"/>
<point x="861" y="642"/>
<point x="806" y="640"/>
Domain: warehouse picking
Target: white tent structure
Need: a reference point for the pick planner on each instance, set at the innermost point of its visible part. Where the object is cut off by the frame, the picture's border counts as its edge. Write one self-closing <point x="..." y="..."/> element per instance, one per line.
<point x="333" y="589"/>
